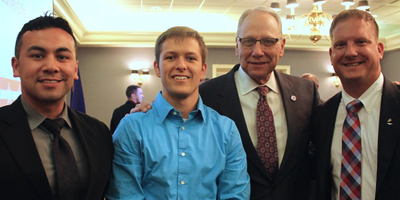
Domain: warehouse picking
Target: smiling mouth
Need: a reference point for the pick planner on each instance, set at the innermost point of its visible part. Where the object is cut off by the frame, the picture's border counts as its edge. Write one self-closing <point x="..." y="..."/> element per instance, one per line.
<point x="352" y="64"/>
<point x="180" y="77"/>
<point x="50" y="81"/>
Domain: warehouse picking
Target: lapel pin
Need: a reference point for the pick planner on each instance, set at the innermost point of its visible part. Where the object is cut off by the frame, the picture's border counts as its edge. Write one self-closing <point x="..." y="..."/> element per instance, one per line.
<point x="389" y="122"/>
<point x="293" y="98"/>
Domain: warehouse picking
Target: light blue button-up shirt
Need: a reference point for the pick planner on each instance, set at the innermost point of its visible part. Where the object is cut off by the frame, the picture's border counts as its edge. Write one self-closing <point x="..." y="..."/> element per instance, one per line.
<point x="160" y="156"/>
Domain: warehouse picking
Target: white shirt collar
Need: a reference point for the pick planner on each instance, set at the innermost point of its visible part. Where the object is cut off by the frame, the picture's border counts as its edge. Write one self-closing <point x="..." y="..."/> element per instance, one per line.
<point x="247" y="84"/>
<point x="369" y="97"/>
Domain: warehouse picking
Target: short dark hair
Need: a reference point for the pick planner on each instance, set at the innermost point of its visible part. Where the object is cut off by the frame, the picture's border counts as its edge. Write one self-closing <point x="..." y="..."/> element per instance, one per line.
<point x="354" y="13"/>
<point x="180" y="33"/>
<point x="40" y="23"/>
<point x="131" y="90"/>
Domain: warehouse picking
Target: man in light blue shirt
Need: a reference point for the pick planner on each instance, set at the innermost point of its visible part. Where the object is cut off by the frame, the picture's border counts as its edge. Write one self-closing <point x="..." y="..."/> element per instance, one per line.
<point x="180" y="149"/>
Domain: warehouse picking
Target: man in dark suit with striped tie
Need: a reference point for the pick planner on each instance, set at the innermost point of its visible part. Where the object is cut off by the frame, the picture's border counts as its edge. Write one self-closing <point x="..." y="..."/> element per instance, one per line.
<point x="358" y="129"/>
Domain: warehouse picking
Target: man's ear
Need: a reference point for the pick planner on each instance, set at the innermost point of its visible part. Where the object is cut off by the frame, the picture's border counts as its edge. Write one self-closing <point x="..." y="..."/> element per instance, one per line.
<point x="156" y="69"/>
<point x="15" y="66"/>
<point x="76" y="77"/>
<point x="203" y="71"/>
<point x="236" y="48"/>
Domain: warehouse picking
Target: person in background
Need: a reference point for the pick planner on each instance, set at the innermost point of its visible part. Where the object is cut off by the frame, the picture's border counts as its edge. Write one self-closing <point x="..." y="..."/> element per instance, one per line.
<point x="357" y="130"/>
<point x="180" y="149"/>
<point x="311" y="77"/>
<point x="47" y="150"/>
<point x="240" y="95"/>
<point x="135" y="95"/>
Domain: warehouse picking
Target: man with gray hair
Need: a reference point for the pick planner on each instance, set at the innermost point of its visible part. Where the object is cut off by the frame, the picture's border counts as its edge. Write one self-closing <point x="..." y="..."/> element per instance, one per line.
<point x="272" y="110"/>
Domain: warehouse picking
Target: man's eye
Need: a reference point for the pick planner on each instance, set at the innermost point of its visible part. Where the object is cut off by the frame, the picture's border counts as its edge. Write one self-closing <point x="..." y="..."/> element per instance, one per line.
<point x="62" y="57"/>
<point x="37" y="56"/>
<point x="362" y="42"/>
<point x="169" y="58"/>
<point x="248" y="41"/>
<point x="268" y="41"/>
<point x="338" y="45"/>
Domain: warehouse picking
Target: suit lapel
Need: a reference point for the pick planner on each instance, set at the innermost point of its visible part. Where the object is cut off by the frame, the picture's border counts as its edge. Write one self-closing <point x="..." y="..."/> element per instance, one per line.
<point x="232" y="109"/>
<point x="19" y="140"/>
<point x="325" y="125"/>
<point x="87" y="139"/>
<point x="287" y="94"/>
<point x="389" y="129"/>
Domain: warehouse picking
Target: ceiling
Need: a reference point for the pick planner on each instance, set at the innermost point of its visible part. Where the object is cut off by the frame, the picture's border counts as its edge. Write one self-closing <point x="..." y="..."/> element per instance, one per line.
<point x="137" y="23"/>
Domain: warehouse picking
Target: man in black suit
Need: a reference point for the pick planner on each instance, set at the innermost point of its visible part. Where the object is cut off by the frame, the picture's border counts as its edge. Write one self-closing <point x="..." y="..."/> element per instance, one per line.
<point x="45" y="61"/>
<point x="135" y="95"/>
<point x="259" y="45"/>
<point x="355" y="55"/>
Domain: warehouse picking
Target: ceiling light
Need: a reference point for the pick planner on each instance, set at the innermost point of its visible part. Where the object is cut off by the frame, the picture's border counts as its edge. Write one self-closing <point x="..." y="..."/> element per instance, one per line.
<point x="363" y="5"/>
<point x="316" y="21"/>
<point x="155" y="8"/>
<point x="275" y="6"/>
<point x="348" y="3"/>
<point x="319" y="2"/>
<point x="291" y="4"/>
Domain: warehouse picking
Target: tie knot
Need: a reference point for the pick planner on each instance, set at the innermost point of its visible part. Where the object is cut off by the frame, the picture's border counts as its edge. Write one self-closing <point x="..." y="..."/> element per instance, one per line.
<point x="354" y="106"/>
<point x="53" y="125"/>
<point x="262" y="90"/>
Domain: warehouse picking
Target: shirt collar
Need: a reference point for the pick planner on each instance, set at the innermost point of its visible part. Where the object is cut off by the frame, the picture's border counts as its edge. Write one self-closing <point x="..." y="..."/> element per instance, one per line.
<point x="369" y="97"/>
<point x="35" y="118"/>
<point x="247" y="84"/>
<point x="163" y="109"/>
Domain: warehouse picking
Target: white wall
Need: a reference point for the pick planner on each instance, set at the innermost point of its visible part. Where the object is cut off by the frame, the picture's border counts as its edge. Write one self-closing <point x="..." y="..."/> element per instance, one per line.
<point x="105" y="73"/>
<point x="390" y="65"/>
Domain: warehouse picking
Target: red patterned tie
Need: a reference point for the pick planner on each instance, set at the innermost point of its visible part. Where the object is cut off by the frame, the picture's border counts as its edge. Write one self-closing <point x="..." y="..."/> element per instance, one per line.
<point x="267" y="147"/>
<point x="350" y="186"/>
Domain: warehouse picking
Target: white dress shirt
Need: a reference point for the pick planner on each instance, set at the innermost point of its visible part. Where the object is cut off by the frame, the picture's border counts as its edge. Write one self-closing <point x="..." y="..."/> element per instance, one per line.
<point x="369" y="122"/>
<point x="248" y="97"/>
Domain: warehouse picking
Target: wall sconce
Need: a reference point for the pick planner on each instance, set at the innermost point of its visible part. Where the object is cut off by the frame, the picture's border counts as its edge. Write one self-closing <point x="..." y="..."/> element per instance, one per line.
<point x="140" y="77"/>
<point x="336" y="80"/>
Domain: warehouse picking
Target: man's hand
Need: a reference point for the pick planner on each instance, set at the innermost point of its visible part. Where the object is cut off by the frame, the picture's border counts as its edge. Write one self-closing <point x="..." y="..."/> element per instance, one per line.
<point x="142" y="106"/>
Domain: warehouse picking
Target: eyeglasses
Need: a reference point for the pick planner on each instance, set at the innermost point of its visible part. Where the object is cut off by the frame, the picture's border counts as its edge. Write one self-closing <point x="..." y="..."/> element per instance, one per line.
<point x="250" y="42"/>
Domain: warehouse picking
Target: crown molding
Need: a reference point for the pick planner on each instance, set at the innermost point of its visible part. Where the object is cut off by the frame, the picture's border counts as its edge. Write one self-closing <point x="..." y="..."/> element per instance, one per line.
<point x="392" y="42"/>
<point x="85" y="38"/>
<point x="62" y="9"/>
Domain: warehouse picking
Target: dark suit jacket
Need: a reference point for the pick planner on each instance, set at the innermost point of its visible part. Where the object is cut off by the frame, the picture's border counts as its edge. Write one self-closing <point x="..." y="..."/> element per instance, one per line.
<point x="388" y="175"/>
<point x="292" y="180"/>
<point x="22" y="175"/>
<point x="120" y="113"/>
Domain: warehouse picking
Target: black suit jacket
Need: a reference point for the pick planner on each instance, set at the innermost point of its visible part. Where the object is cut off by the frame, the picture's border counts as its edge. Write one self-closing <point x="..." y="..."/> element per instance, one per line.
<point x="120" y="113"/>
<point x="292" y="180"/>
<point x="388" y="174"/>
<point x="22" y="175"/>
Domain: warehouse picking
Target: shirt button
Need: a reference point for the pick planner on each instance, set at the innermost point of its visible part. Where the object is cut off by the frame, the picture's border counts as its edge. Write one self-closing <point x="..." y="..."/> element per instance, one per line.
<point x="183" y="128"/>
<point x="183" y="182"/>
<point x="175" y="113"/>
<point x="183" y="154"/>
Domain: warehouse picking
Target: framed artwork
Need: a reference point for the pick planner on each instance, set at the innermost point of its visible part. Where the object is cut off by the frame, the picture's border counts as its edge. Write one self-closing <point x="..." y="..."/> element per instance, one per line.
<point x="220" y="69"/>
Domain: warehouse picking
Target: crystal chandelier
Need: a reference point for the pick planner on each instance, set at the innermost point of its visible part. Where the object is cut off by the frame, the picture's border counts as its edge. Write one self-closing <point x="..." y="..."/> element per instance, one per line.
<point x="317" y="22"/>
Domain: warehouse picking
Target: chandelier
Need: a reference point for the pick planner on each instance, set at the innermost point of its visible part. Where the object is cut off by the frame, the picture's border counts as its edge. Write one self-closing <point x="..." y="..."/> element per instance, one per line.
<point x="317" y="21"/>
